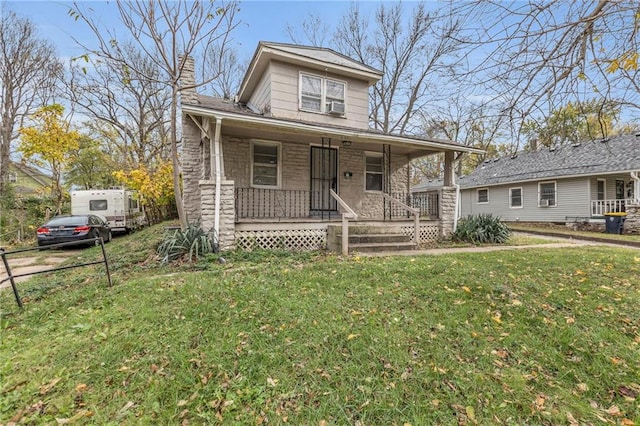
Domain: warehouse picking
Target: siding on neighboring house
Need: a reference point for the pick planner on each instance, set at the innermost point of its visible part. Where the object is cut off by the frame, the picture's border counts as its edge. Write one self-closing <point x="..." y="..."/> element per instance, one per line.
<point x="284" y="100"/>
<point x="572" y="199"/>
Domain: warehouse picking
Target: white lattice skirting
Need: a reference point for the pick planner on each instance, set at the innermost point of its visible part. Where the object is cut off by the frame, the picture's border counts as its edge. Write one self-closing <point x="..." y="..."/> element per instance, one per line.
<point x="294" y="240"/>
<point x="428" y="233"/>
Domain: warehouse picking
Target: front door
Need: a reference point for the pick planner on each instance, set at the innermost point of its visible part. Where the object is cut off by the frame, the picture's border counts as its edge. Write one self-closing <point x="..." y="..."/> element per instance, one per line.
<point x="324" y="177"/>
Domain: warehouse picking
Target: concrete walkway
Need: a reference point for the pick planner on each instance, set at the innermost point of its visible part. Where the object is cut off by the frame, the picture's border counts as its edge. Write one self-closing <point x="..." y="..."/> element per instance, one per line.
<point x="555" y="242"/>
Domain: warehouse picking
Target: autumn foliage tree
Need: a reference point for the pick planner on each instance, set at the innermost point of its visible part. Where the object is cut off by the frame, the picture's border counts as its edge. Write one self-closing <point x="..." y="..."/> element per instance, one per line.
<point x="49" y="143"/>
<point x="154" y="186"/>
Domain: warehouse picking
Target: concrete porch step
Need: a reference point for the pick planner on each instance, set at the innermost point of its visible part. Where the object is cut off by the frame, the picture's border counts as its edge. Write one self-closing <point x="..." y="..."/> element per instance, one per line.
<point x="378" y="238"/>
<point x="380" y="247"/>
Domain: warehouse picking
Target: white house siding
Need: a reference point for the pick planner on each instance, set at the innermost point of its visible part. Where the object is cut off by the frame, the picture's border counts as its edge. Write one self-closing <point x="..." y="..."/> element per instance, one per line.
<point x="284" y="101"/>
<point x="261" y="97"/>
<point x="572" y="199"/>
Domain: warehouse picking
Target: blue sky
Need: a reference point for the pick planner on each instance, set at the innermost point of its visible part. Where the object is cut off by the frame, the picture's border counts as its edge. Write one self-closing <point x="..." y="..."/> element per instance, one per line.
<point x="261" y="20"/>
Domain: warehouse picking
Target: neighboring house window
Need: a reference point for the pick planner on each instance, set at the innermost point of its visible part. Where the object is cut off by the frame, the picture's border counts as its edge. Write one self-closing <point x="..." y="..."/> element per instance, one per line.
<point x="373" y="172"/>
<point x="265" y="168"/>
<point x="547" y="194"/>
<point x="601" y="193"/>
<point x="318" y="93"/>
<point x="619" y="189"/>
<point x="483" y="195"/>
<point x="13" y="177"/>
<point x="97" y="205"/>
<point x="515" y="197"/>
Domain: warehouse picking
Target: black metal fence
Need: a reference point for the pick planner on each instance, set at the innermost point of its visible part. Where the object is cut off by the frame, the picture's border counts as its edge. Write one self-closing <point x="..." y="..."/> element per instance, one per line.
<point x="426" y="203"/>
<point x="12" y="277"/>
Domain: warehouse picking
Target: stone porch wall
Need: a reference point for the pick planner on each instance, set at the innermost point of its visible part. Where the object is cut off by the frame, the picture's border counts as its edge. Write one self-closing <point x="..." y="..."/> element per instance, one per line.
<point x="226" y="237"/>
<point x="632" y="222"/>
<point x="447" y="200"/>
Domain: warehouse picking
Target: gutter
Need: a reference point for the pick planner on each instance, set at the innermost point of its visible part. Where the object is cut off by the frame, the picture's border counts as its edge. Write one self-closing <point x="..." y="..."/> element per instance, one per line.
<point x="456" y="216"/>
<point x="636" y="186"/>
<point x="216" y="152"/>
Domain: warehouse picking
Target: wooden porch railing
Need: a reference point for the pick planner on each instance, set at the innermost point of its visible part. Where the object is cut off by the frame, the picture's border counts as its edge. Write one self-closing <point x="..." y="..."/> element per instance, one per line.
<point x="411" y="210"/>
<point x="600" y="207"/>
<point x="347" y="213"/>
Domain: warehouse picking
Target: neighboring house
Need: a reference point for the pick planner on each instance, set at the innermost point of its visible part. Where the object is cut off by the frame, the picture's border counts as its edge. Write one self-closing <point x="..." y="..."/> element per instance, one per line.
<point x="293" y="154"/>
<point x="579" y="182"/>
<point x="28" y="181"/>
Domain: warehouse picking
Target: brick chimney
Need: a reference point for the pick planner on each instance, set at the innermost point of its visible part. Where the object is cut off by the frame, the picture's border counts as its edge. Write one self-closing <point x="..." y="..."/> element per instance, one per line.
<point x="188" y="78"/>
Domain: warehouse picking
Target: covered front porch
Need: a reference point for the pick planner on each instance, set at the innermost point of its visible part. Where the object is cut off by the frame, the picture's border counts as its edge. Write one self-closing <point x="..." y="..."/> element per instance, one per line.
<point x="253" y="179"/>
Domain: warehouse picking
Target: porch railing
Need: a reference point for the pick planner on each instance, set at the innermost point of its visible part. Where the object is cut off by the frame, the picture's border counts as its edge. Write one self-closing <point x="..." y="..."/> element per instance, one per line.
<point x="426" y="203"/>
<point x="600" y="207"/>
<point x="347" y="213"/>
<point x="258" y="203"/>
<point x="411" y="211"/>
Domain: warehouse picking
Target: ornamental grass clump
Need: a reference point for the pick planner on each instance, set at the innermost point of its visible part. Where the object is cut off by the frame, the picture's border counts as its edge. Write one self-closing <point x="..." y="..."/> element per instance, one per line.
<point x="482" y="229"/>
<point x="186" y="245"/>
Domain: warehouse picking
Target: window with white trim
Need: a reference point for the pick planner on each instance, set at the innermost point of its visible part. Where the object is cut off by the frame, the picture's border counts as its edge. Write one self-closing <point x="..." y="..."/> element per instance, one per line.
<point x="13" y="177"/>
<point x="515" y="198"/>
<point x="601" y="190"/>
<point x="317" y="93"/>
<point x="373" y="172"/>
<point x="483" y="195"/>
<point x="546" y="194"/>
<point x="265" y="164"/>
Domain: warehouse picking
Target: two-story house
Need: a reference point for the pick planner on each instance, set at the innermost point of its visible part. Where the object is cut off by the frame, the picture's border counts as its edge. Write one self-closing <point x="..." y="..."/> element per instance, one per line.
<point x="292" y="161"/>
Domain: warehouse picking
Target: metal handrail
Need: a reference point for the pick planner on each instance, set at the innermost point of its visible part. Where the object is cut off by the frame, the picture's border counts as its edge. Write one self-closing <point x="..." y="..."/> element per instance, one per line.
<point x="414" y="211"/>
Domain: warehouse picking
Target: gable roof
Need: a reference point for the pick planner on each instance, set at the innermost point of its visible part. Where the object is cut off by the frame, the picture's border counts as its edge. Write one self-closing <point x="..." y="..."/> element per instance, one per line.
<point x="318" y="58"/>
<point x="618" y="154"/>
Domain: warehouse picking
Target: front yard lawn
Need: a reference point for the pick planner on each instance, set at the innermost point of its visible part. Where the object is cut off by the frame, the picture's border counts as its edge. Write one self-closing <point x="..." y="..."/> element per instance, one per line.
<point x="533" y="336"/>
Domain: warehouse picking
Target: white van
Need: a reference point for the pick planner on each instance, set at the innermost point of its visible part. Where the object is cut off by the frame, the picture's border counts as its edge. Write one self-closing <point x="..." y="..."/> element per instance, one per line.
<point x="120" y="207"/>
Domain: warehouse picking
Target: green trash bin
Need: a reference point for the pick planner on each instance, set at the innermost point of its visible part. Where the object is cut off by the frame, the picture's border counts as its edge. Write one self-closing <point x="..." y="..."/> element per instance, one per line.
<point x="614" y="222"/>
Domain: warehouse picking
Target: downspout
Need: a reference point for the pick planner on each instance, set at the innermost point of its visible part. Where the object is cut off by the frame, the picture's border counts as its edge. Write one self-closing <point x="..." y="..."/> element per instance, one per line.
<point x="216" y="152"/>
<point x="457" y="215"/>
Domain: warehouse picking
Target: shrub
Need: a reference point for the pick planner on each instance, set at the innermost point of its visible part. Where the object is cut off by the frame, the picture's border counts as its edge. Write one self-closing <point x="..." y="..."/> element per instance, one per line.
<point x="482" y="229"/>
<point x="187" y="245"/>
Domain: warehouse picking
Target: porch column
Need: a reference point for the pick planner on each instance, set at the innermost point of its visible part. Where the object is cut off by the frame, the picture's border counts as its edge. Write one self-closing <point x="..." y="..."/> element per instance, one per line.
<point x="448" y="168"/>
<point x="447" y="199"/>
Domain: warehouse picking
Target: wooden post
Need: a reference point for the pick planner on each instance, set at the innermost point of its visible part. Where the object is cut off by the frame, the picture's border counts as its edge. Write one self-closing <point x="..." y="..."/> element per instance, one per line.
<point x="345" y="235"/>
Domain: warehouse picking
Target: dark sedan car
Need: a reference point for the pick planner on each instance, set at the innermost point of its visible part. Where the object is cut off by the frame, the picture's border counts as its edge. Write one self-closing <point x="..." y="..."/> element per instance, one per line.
<point x="80" y="228"/>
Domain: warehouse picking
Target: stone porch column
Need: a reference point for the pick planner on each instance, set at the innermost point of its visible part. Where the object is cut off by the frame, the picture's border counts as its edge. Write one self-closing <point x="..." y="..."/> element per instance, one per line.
<point x="632" y="222"/>
<point x="226" y="237"/>
<point x="447" y="207"/>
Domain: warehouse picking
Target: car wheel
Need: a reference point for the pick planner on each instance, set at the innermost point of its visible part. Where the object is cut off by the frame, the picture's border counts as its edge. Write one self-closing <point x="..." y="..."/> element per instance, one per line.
<point x="109" y="237"/>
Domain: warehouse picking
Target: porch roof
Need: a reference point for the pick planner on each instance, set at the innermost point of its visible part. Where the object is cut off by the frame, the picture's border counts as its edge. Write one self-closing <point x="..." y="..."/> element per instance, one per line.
<point x="237" y="119"/>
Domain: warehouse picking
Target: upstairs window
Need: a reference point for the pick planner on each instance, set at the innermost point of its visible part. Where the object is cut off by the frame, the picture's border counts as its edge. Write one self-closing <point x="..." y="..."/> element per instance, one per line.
<point x="13" y="177"/>
<point x="323" y="95"/>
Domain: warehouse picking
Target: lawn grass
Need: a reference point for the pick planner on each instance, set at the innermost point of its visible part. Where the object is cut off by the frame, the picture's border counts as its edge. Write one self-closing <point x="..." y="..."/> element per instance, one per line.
<point x="533" y="336"/>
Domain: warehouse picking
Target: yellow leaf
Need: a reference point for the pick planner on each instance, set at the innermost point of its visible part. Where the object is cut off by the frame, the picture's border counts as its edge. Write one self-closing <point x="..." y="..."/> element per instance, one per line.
<point x="352" y="336"/>
<point x="471" y="413"/>
<point x="466" y="289"/>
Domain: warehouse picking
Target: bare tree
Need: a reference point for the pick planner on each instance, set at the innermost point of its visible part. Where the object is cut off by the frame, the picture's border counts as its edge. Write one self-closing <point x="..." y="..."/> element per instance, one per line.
<point x="223" y="62"/>
<point x="532" y="57"/>
<point x="29" y="70"/>
<point x="128" y="113"/>
<point x="313" y="30"/>
<point x="168" y="32"/>
<point x="415" y="54"/>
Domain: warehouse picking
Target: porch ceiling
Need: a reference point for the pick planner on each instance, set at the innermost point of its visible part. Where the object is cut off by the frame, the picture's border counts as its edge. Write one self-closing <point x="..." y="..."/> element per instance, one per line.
<point x="260" y="127"/>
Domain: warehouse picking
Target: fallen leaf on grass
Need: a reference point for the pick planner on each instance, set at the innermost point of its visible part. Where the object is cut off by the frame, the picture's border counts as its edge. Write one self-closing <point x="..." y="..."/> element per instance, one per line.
<point x="352" y="336"/>
<point x="44" y="389"/>
<point x="80" y="414"/>
<point x="614" y="410"/>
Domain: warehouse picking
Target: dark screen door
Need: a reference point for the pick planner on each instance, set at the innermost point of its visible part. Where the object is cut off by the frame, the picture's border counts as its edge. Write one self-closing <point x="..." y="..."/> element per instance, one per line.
<point x="324" y="177"/>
